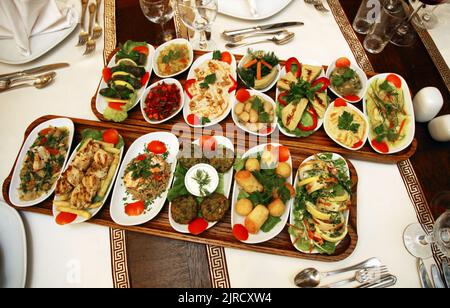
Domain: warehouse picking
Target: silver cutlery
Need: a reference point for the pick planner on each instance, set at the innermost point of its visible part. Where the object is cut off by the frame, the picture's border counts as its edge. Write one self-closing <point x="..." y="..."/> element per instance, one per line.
<point x="274" y="26"/>
<point x="367" y="275"/>
<point x="384" y="282"/>
<point x="446" y="269"/>
<point x="97" y="31"/>
<point x="239" y="38"/>
<point x="318" y="5"/>
<point x="437" y="278"/>
<point x="35" y="70"/>
<point x="253" y="9"/>
<point x="281" y="39"/>
<point x="423" y="274"/>
<point x="84" y="35"/>
<point x="39" y="82"/>
<point x="90" y="44"/>
<point x="310" y="277"/>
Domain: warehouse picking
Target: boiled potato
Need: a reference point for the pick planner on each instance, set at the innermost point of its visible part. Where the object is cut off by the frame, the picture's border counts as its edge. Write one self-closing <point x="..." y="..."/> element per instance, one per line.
<point x="256" y="219"/>
<point x="244" y="117"/>
<point x="284" y="170"/>
<point x="248" y="107"/>
<point x="277" y="208"/>
<point x="239" y="108"/>
<point x="254" y="116"/>
<point x="244" y="207"/>
<point x="252" y="164"/>
<point x="268" y="107"/>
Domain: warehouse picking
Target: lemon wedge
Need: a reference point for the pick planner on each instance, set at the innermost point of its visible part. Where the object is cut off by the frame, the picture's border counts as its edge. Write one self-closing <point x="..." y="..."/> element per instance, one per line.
<point x="122" y="83"/>
<point x="127" y="62"/>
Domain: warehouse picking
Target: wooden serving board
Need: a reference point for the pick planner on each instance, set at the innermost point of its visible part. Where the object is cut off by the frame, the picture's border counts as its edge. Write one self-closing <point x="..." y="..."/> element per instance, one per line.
<point x="221" y="233"/>
<point x="319" y="141"/>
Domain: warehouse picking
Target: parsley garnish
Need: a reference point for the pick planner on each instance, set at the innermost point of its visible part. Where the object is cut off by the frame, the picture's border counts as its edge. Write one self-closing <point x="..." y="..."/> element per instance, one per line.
<point x="217" y="55"/>
<point x="203" y="179"/>
<point x="171" y="56"/>
<point x="210" y="79"/>
<point x="346" y="122"/>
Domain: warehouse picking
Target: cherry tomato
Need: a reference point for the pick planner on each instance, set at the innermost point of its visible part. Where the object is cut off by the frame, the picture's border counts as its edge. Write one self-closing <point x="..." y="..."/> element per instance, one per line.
<point x="111" y="136"/>
<point x="45" y="131"/>
<point x="208" y="143"/>
<point x="141" y="49"/>
<point x="325" y="82"/>
<point x="145" y="79"/>
<point x="116" y="105"/>
<point x="141" y="157"/>
<point x="294" y="66"/>
<point x="281" y="98"/>
<point x="234" y="86"/>
<point x="380" y="146"/>
<point x="240" y="232"/>
<point x="243" y="95"/>
<point x="135" y="209"/>
<point x="395" y="80"/>
<point x="192" y="119"/>
<point x="64" y="218"/>
<point x="187" y="86"/>
<point x="283" y="154"/>
<point x="358" y="144"/>
<point x="197" y="226"/>
<point x="343" y="62"/>
<point x="340" y="103"/>
<point x="106" y="74"/>
<point x="226" y="57"/>
<point x="157" y="147"/>
<point x="352" y="98"/>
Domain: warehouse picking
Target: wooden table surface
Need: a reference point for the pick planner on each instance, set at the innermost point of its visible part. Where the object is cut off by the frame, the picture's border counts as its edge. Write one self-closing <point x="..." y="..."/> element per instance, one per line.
<point x="158" y="262"/>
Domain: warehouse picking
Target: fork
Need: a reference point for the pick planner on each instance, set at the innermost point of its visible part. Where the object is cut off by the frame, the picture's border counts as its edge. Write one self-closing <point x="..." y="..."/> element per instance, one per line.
<point x="367" y="275"/>
<point x="83" y="37"/>
<point x="318" y="4"/>
<point x="97" y="32"/>
<point x="90" y="44"/>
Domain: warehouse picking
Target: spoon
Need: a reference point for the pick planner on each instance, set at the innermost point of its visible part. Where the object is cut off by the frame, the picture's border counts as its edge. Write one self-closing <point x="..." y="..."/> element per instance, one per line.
<point x="280" y="39"/>
<point x="39" y="82"/>
<point x="310" y="277"/>
<point x="240" y="38"/>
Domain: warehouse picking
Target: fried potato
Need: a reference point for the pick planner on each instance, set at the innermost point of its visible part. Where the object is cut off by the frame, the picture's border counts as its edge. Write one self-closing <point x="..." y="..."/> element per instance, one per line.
<point x="252" y="164"/>
<point x="109" y="177"/>
<point x="61" y="203"/>
<point x="244" y="207"/>
<point x="284" y="170"/>
<point x="277" y="208"/>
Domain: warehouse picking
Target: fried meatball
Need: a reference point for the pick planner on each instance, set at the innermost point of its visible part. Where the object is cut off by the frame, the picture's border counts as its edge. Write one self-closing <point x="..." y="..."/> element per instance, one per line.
<point x="222" y="160"/>
<point x="184" y="209"/>
<point x="214" y="207"/>
<point x="190" y="156"/>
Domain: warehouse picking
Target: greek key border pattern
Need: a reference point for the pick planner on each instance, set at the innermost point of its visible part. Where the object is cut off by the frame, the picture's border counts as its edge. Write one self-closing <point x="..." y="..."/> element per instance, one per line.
<point x="218" y="269"/>
<point x="119" y="262"/>
<point x="110" y="38"/>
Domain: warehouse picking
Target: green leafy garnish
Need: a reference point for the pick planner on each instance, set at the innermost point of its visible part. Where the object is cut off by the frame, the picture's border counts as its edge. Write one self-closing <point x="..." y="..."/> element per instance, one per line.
<point x="270" y="223"/>
<point x="345" y="122"/>
<point x="210" y="79"/>
<point x="203" y="179"/>
<point x="217" y="55"/>
<point x="172" y="56"/>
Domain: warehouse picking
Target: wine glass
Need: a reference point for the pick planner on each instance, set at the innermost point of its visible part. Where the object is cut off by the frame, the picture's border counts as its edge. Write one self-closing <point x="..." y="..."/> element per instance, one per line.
<point x="159" y="12"/>
<point x="198" y="15"/>
<point x="418" y="243"/>
<point x="425" y="18"/>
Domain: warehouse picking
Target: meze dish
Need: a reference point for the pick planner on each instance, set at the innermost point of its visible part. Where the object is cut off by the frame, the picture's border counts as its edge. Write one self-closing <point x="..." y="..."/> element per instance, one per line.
<point x="320" y="214"/>
<point x="210" y="89"/>
<point x="162" y="101"/>
<point x="85" y="184"/>
<point x="263" y="193"/>
<point x="259" y="70"/>
<point x="41" y="161"/>
<point x="173" y="58"/>
<point x="346" y="125"/>
<point x="144" y="178"/>
<point x="347" y="80"/>
<point x="388" y="106"/>
<point x="301" y="98"/>
<point x="200" y="192"/>
<point x="254" y="112"/>
<point x="124" y="80"/>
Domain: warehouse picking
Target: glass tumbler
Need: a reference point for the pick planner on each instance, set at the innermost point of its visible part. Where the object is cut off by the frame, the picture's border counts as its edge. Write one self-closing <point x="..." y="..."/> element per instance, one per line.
<point x="368" y="13"/>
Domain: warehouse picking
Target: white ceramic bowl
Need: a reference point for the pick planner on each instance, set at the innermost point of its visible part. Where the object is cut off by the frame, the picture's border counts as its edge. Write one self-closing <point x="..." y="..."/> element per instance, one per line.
<point x="440" y="128"/>
<point x="427" y="104"/>
<point x="194" y="189"/>
<point x="162" y="47"/>
<point x="272" y="84"/>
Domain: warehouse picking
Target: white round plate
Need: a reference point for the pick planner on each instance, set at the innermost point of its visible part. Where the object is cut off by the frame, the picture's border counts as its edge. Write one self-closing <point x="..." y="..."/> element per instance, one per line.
<point x="162" y="47"/>
<point x="265" y="98"/>
<point x="239" y="8"/>
<point x="15" y="182"/>
<point x="409" y="110"/>
<point x="101" y="103"/>
<point x="273" y="83"/>
<point x="147" y="91"/>
<point x="291" y="218"/>
<point x="13" y="248"/>
<point x="191" y="75"/>
<point x="120" y="198"/>
<point x="227" y="179"/>
<point x="261" y="236"/>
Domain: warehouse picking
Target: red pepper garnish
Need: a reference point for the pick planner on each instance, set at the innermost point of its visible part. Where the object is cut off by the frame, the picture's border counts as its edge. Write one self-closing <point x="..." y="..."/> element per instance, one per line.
<point x="402" y="126"/>
<point x="281" y="99"/>
<point x="380" y="146"/>
<point x="116" y="105"/>
<point x="64" y="218"/>
<point x="106" y="74"/>
<point x="197" y="226"/>
<point x="52" y="151"/>
<point x="352" y="98"/>
<point x="135" y="209"/>
<point x="187" y="86"/>
<point x="325" y="82"/>
<point x="192" y="119"/>
<point x="340" y="103"/>
<point x="142" y="49"/>
<point x="358" y="144"/>
<point x="313" y="126"/>
<point x="240" y="232"/>
<point x="141" y="157"/>
<point x="234" y="86"/>
<point x="294" y="66"/>
<point x="145" y="79"/>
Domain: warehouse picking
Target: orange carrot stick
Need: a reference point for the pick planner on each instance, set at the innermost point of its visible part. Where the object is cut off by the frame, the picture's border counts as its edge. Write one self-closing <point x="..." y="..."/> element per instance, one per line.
<point x="259" y="71"/>
<point x="250" y="63"/>
<point x="266" y="64"/>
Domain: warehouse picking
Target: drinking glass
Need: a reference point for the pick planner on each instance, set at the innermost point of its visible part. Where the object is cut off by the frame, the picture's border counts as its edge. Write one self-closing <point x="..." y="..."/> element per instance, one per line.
<point x="425" y="17"/>
<point x="159" y="12"/>
<point x="368" y="13"/>
<point x="418" y="243"/>
<point x="198" y="15"/>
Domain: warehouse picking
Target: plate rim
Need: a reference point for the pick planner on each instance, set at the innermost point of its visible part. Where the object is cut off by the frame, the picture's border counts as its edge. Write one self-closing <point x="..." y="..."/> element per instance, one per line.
<point x="262" y="17"/>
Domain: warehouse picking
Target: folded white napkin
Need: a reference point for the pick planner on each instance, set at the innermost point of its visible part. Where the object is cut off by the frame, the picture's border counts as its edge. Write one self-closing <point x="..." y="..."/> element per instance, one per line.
<point x="22" y="19"/>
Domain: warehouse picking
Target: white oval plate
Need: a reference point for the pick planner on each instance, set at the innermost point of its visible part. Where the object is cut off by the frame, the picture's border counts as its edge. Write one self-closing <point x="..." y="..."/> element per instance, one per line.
<point x="291" y="218"/>
<point x="147" y="91"/>
<point x="261" y="236"/>
<point x="162" y="47"/>
<point x="15" y="182"/>
<point x="196" y="64"/>
<point x="93" y="212"/>
<point x="274" y="82"/>
<point x="227" y="179"/>
<point x="362" y="76"/>
<point x="327" y="130"/>
<point x="13" y="248"/>
<point x="101" y="103"/>
<point x="239" y="8"/>
<point x="409" y="108"/>
<point x="265" y="98"/>
<point x="320" y="121"/>
<point x="120" y="198"/>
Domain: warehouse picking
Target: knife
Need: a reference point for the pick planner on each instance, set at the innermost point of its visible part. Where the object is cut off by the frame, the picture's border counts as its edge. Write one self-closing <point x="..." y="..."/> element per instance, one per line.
<point x="437" y="279"/>
<point x="446" y="268"/>
<point x="36" y="70"/>
<point x="424" y="277"/>
<point x="262" y="28"/>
